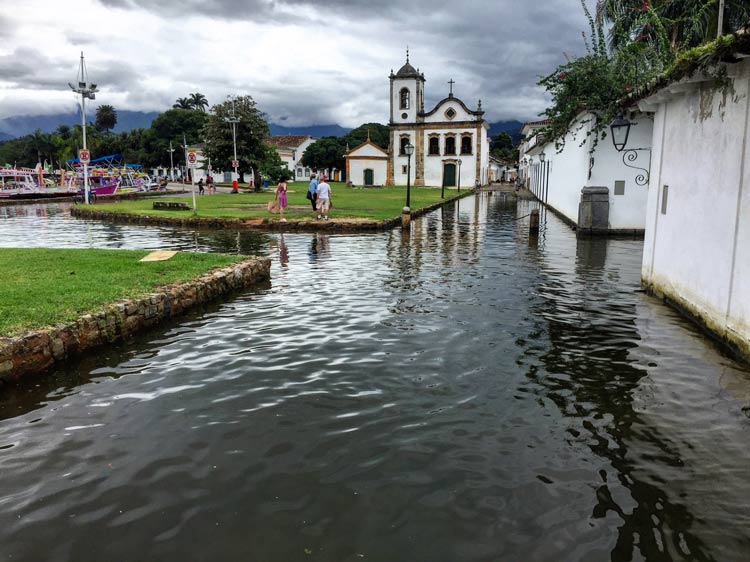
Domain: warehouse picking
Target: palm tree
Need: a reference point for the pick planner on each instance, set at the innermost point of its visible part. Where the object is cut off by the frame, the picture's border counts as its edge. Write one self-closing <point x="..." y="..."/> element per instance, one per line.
<point x="106" y="117"/>
<point x="686" y="23"/>
<point x="182" y="103"/>
<point x="198" y="101"/>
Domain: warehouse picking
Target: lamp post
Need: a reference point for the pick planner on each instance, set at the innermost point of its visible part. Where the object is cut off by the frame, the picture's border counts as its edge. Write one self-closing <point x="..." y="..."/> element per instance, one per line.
<point x="171" y="161"/>
<point x="409" y="150"/>
<point x="620" y="129"/>
<point x="459" y="175"/>
<point x="542" y="160"/>
<point x="233" y="120"/>
<point x="87" y="91"/>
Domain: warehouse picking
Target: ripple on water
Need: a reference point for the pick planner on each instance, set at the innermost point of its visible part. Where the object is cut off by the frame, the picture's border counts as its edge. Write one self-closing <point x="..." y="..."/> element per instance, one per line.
<point x="455" y="394"/>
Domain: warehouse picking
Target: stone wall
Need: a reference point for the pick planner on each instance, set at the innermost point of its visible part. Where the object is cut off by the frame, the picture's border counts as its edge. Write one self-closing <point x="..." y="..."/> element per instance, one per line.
<point x="40" y="350"/>
<point x="263" y="224"/>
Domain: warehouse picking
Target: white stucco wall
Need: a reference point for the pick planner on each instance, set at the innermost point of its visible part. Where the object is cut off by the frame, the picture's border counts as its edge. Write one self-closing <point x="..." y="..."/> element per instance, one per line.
<point x="698" y="252"/>
<point x="357" y="171"/>
<point x="569" y="171"/>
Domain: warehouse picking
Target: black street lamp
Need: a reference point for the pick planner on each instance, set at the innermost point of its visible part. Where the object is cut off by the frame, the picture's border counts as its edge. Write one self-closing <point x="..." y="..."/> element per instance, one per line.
<point x="459" y="175"/>
<point x="408" y="150"/>
<point x="620" y="129"/>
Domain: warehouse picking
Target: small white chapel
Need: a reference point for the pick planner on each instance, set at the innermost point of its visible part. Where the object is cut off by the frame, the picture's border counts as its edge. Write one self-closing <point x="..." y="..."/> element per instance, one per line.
<point x="451" y="142"/>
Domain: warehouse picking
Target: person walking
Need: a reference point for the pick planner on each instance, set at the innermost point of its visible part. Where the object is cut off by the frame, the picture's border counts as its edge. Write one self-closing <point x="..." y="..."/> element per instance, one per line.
<point x="312" y="192"/>
<point x="281" y="196"/>
<point x="200" y="187"/>
<point x="324" y="199"/>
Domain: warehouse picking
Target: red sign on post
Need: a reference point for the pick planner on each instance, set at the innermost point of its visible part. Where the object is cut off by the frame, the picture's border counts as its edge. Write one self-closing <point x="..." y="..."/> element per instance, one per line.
<point x="235" y="163"/>
<point x="192" y="159"/>
<point x="84" y="156"/>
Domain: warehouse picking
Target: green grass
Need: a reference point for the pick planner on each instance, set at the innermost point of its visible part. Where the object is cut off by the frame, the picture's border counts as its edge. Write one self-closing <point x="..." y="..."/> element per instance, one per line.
<point x="348" y="203"/>
<point x="41" y="287"/>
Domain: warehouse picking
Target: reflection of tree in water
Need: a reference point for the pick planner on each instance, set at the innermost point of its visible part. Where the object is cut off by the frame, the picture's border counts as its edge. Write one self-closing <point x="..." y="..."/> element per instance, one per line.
<point x="590" y="376"/>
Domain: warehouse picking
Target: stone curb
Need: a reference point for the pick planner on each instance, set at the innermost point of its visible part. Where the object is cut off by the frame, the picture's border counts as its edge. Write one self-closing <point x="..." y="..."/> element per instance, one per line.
<point x="253" y="224"/>
<point x="100" y="198"/>
<point x="39" y="350"/>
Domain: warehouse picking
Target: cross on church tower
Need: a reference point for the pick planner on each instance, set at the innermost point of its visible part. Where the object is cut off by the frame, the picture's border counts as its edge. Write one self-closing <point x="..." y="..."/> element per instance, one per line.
<point x="451" y="82"/>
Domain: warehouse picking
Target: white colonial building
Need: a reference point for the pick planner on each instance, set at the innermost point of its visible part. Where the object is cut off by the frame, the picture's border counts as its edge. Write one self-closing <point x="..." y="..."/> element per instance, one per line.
<point x="367" y="164"/>
<point x="290" y="149"/>
<point x="697" y="248"/>
<point x="559" y="171"/>
<point x="450" y="142"/>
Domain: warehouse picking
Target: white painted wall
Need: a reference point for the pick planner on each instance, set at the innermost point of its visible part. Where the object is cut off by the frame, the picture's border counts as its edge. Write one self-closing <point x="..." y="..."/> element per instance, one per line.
<point x="357" y="171"/>
<point x="698" y="252"/>
<point x="569" y="172"/>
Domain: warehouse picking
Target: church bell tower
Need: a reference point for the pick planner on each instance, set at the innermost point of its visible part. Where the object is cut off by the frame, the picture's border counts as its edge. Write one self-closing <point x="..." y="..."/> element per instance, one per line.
<point x="407" y="94"/>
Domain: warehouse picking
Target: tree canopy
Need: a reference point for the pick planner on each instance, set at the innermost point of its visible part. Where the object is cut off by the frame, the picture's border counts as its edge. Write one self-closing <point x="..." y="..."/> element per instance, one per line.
<point x="251" y="130"/>
<point x="106" y="117"/>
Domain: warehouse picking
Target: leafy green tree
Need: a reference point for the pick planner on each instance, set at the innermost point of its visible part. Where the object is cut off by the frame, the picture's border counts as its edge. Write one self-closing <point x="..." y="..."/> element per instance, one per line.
<point x="327" y="152"/>
<point x="251" y="132"/>
<point x="272" y="167"/>
<point x="173" y="125"/>
<point x="106" y="117"/>
<point x="198" y="101"/>
<point x="379" y="135"/>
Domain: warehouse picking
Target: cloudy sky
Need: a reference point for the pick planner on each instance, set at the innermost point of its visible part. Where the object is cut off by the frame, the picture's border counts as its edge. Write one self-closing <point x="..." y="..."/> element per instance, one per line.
<point x="305" y="62"/>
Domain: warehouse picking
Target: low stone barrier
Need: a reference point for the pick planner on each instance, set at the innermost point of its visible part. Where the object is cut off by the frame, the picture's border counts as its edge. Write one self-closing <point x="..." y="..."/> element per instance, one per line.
<point x="100" y="198"/>
<point x="265" y="224"/>
<point x="41" y="349"/>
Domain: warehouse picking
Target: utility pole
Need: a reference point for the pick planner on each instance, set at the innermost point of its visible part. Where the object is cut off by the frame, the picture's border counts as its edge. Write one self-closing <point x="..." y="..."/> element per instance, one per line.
<point x="184" y="145"/>
<point x="87" y="90"/>
<point x="721" y="19"/>
<point x="171" y="162"/>
<point x="234" y="120"/>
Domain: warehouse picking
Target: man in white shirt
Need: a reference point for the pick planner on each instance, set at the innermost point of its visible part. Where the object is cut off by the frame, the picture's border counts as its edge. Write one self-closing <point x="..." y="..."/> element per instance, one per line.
<point x="324" y="198"/>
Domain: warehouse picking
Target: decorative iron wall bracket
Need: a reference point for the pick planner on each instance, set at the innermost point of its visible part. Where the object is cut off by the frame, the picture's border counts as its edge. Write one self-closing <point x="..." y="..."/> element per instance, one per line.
<point x="631" y="155"/>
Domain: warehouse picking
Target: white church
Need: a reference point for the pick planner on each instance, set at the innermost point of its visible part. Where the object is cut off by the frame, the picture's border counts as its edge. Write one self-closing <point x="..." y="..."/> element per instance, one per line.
<point x="451" y="143"/>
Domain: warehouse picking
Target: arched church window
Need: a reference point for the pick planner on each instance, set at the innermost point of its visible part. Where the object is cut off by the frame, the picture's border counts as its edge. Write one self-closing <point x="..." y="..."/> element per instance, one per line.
<point x="402" y="145"/>
<point x="434" y="146"/>
<point x="405" y="98"/>
<point x="450" y="145"/>
<point x="466" y="145"/>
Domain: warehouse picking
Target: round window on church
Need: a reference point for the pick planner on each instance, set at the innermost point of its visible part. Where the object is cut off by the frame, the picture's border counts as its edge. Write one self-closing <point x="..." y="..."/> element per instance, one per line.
<point x="404" y="115"/>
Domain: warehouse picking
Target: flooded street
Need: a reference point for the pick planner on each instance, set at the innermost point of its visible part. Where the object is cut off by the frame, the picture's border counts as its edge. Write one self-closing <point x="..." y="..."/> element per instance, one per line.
<point x="457" y="394"/>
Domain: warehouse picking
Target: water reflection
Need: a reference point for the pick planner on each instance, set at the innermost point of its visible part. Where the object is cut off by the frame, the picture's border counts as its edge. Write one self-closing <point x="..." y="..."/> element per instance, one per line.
<point x="457" y="392"/>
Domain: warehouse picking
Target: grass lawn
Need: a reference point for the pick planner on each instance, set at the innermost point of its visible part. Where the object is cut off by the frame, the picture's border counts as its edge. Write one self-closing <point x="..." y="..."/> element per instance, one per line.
<point x="43" y="286"/>
<point x="350" y="203"/>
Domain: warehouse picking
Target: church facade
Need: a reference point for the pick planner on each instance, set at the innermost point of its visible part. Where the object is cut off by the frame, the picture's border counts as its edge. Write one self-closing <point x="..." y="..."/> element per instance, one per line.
<point x="451" y="143"/>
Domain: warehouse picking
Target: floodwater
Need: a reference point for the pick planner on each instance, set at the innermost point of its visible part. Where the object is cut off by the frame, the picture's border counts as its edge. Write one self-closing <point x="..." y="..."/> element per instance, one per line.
<point x="457" y="394"/>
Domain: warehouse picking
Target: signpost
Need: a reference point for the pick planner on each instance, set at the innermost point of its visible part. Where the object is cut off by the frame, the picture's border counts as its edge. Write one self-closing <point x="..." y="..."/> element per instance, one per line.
<point x="235" y="165"/>
<point x="192" y="161"/>
<point x="84" y="156"/>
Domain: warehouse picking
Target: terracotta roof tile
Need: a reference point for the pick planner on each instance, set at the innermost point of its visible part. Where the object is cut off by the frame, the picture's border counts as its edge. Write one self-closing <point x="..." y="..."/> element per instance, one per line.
<point x="287" y="141"/>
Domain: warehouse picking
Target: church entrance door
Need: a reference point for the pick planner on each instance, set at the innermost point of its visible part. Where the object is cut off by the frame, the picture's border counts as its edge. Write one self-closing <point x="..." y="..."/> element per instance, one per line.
<point x="369" y="177"/>
<point x="449" y="175"/>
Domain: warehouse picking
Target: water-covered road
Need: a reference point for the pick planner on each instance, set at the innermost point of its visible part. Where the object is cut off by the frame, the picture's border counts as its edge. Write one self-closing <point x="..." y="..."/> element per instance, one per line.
<point x="458" y="394"/>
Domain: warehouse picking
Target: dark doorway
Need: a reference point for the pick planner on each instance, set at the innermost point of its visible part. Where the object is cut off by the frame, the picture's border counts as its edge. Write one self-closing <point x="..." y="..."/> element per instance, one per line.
<point x="369" y="177"/>
<point x="449" y="175"/>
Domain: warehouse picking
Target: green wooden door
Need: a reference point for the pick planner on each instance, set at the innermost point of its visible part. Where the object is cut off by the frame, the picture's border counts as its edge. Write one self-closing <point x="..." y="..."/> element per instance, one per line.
<point x="369" y="177"/>
<point x="449" y="175"/>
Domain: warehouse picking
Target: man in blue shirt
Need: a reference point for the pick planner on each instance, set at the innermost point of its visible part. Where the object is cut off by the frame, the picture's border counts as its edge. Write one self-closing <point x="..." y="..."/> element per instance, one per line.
<point x="312" y="192"/>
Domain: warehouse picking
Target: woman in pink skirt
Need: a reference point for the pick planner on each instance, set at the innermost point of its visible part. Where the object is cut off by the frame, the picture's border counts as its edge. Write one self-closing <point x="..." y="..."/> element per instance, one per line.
<point x="281" y="197"/>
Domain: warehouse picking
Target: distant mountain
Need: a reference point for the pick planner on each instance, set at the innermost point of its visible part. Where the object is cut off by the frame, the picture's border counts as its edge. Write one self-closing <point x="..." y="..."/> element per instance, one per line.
<point x="317" y="131"/>
<point x="5" y="137"/>
<point x="513" y="128"/>
<point x="17" y="126"/>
